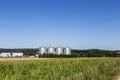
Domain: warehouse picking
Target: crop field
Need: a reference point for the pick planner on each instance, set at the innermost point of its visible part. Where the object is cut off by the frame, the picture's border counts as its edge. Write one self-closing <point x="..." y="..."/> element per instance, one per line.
<point x="60" y="69"/>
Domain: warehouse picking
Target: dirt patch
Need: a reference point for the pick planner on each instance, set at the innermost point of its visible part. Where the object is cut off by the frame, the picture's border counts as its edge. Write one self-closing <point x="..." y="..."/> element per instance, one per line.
<point x="16" y="59"/>
<point x="118" y="78"/>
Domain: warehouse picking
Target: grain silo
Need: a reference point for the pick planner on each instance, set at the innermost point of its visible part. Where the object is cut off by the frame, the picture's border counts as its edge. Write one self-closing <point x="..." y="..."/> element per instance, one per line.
<point x="67" y="50"/>
<point x="42" y="50"/>
<point x="59" y="50"/>
<point x="51" y="50"/>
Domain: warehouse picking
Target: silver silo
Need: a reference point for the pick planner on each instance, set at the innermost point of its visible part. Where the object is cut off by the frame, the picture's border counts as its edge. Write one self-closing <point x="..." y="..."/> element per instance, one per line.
<point x="42" y="50"/>
<point x="51" y="50"/>
<point x="67" y="50"/>
<point x="59" y="50"/>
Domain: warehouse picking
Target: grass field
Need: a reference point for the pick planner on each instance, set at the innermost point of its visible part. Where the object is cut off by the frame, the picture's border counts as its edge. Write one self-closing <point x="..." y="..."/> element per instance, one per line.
<point x="60" y="69"/>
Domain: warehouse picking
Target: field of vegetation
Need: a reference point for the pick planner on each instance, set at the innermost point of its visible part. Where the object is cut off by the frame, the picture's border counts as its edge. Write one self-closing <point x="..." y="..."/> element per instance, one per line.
<point x="60" y="69"/>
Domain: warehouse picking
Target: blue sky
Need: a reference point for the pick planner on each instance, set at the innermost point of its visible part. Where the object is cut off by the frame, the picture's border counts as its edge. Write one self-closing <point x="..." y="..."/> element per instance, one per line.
<point x="81" y="24"/>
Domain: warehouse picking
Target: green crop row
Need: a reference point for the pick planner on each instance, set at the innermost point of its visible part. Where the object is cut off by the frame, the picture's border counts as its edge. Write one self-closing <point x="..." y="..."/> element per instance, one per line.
<point x="60" y="69"/>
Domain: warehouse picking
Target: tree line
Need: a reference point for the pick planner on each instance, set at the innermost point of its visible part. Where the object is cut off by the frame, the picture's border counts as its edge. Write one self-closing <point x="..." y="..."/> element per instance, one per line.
<point x="85" y="53"/>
